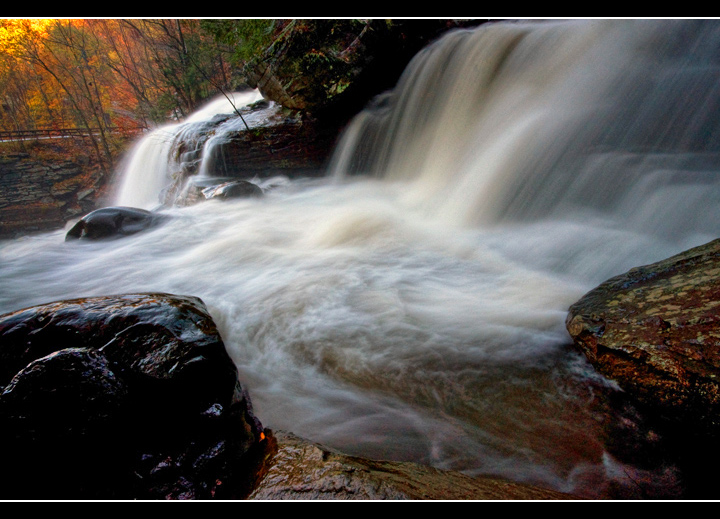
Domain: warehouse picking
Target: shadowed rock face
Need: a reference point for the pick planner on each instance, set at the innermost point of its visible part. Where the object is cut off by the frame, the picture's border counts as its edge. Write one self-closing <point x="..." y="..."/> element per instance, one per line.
<point x="120" y="397"/>
<point x="332" y="67"/>
<point x="656" y="331"/>
<point x="42" y="191"/>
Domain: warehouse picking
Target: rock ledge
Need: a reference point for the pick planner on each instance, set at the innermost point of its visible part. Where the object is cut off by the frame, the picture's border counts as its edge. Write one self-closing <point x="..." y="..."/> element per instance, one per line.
<point x="296" y="469"/>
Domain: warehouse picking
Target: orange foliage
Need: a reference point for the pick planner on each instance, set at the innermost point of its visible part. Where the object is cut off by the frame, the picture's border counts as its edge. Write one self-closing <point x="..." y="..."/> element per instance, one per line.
<point x="103" y="72"/>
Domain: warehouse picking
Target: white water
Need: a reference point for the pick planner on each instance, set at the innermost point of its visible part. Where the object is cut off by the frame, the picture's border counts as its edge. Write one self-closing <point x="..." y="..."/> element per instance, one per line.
<point x="150" y="167"/>
<point x="410" y="305"/>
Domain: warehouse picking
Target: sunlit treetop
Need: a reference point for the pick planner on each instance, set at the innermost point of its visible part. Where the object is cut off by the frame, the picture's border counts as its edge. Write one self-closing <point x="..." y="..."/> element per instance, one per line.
<point x="15" y="31"/>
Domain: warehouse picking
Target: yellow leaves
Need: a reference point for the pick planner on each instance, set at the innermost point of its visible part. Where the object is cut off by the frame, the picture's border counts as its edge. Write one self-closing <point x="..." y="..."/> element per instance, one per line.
<point x="16" y="32"/>
<point x="10" y="35"/>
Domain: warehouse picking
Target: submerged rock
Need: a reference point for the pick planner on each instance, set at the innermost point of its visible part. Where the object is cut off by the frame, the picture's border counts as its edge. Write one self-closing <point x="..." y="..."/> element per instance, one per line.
<point x="120" y="397"/>
<point x="298" y="469"/>
<point x="233" y="189"/>
<point x="655" y="330"/>
<point x="111" y="222"/>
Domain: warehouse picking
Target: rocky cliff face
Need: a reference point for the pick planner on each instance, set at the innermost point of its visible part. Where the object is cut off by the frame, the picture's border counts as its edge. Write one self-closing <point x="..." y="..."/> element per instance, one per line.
<point x="331" y="68"/>
<point x="39" y="195"/>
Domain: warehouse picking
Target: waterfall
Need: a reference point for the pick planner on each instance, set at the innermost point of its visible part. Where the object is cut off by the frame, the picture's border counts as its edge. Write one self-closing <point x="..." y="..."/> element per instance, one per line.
<point x="150" y="166"/>
<point x="410" y="305"/>
<point x="521" y="122"/>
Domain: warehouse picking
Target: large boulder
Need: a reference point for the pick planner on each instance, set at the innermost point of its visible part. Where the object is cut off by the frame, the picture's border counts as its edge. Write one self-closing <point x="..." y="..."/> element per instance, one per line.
<point x="113" y="222"/>
<point x="655" y="330"/>
<point x="295" y="468"/>
<point x="121" y="397"/>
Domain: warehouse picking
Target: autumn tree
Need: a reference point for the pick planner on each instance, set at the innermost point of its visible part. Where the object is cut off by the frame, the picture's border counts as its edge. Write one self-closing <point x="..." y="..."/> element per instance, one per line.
<point x="57" y="65"/>
<point x="188" y="63"/>
<point x="24" y="103"/>
<point x="100" y="74"/>
<point x="128" y="56"/>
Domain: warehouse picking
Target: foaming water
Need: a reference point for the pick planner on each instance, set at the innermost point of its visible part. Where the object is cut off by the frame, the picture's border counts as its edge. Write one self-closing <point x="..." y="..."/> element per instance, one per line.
<point x="562" y="120"/>
<point x="411" y="304"/>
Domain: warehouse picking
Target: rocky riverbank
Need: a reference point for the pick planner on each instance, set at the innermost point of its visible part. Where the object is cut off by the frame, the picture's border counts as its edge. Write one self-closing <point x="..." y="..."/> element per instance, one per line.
<point x="133" y="396"/>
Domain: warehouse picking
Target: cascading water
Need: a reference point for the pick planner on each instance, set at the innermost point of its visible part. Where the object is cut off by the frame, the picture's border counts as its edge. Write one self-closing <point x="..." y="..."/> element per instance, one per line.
<point x="530" y="123"/>
<point x="411" y="304"/>
<point x="153" y="163"/>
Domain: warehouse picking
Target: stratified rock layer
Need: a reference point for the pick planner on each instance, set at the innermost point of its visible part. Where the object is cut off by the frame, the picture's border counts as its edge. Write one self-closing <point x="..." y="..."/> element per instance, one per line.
<point x="298" y="469"/>
<point x="655" y="330"/>
<point x="39" y="195"/>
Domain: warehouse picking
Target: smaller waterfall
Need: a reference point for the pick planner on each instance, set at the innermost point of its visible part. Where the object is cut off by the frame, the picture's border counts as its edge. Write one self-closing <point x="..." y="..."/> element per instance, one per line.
<point x="155" y="160"/>
<point x="146" y="170"/>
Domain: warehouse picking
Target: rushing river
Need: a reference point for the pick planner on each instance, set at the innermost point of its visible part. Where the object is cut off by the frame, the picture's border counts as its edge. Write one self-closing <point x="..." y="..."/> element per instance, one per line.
<point x="409" y="304"/>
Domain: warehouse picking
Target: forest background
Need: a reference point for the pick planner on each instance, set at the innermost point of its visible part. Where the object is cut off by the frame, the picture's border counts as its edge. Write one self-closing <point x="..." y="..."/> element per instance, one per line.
<point x="111" y="76"/>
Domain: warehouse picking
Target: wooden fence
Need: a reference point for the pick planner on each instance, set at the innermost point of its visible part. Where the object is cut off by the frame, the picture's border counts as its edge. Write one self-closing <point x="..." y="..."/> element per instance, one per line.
<point x="58" y="133"/>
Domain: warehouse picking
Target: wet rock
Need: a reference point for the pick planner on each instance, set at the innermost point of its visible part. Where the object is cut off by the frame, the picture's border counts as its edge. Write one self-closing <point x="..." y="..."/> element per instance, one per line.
<point x="113" y="222"/>
<point x="120" y="397"/>
<point x="74" y="387"/>
<point x="62" y="419"/>
<point x="234" y="189"/>
<point x="655" y="331"/>
<point x="298" y="469"/>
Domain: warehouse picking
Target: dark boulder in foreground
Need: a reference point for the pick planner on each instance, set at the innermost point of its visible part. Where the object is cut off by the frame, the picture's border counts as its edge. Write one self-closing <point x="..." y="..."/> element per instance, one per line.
<point x="121" y="397"/>
<point x="655" y="330"/>
<point x="295" y="468"/>
<point x="113" y="222"/>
